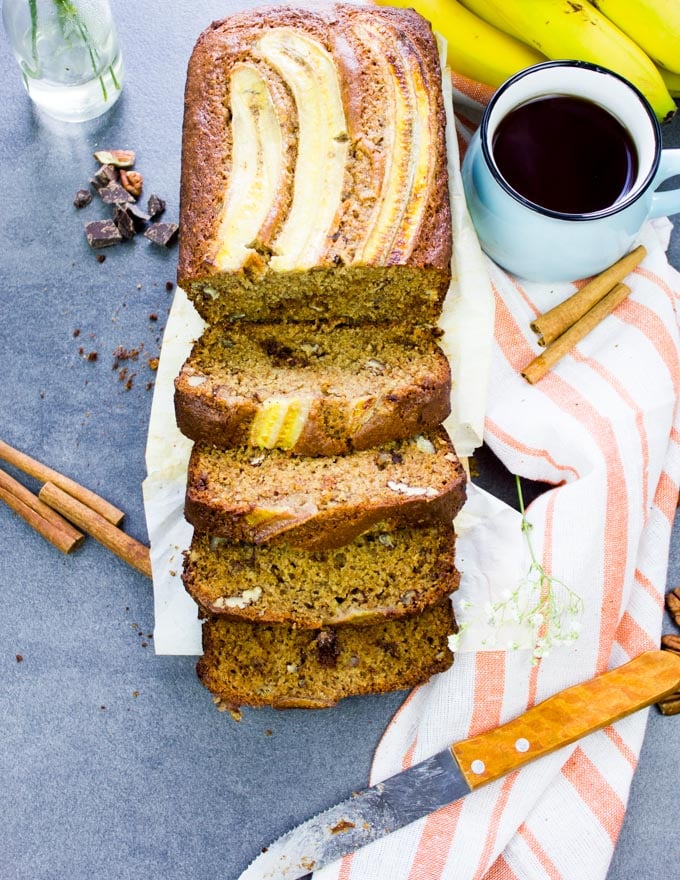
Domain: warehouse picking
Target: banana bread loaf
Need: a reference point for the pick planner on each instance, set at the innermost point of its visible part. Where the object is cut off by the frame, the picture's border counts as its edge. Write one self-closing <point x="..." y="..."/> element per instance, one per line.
<point x="314" y="182"/>
<point x="378" y="575"/>
<point x="321" y="503"/>
<point x="314" y="392"/>
<point x="257" y="664"/>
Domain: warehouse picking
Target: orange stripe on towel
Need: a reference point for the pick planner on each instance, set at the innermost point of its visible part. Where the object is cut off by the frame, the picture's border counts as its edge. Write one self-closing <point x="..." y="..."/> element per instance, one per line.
<point x="500" y="870"/>
<point x="596" y="792"/>
<point x="666" y="496"/>
<point x="653" y="327"/>
<point x="541" y="855"/>
<point x="621" y="745"/>
<point x="439" y="829"/>
<point x="632" y="637"/>
<point x="650" y="588"/>
<point x="503" y="436"/>
<point x="435" y="842"/>
<point x="494" y="824"/>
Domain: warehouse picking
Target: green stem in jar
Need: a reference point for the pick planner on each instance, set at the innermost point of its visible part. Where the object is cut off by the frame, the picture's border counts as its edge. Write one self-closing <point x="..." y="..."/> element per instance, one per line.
<point x="33" y="7"/>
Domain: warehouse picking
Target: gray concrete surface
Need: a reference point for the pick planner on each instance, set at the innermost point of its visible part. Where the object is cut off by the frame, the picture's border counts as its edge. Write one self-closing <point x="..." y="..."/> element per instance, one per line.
<point x="113" y="761"/>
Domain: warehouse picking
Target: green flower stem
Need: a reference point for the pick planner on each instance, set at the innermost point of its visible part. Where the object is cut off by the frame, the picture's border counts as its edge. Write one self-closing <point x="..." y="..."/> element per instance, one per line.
<point x="540" y="603"/>
<point x="33" y="7"/>
<point x="69" y="18"/>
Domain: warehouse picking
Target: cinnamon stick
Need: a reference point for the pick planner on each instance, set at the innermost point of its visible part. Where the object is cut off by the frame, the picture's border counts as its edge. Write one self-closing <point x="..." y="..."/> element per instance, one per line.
<point x="555" y="322"/>
<point x="37" y="514"/>
<point x="87" y="519"/>
<point x="540" y="365"/>
<point x="45" y="474"/>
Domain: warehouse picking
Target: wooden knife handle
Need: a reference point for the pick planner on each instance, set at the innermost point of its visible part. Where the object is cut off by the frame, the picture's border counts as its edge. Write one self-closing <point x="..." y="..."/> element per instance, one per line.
<point x="567" y="716"/>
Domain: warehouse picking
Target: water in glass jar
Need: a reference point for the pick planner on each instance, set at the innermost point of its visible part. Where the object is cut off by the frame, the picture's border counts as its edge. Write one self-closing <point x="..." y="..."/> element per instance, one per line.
<point x="68" y="54"/>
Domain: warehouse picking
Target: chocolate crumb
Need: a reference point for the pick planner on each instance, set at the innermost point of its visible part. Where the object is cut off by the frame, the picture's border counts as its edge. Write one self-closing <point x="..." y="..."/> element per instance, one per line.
<point x="268" y="732"/>
<point x="91" y="356"/>
<point x="82" y="198"/>
<point x="20" y="658"/>
<point x="162" y="234"/>
<point x="169" y="286"/>
<point x="76" y="332"/>
<point x="125" y="354"/>
<point x="153" y="316"/>
<point x="102" y="233"/>
<point x="100" y="258"/>
<point x="102" y="707"/>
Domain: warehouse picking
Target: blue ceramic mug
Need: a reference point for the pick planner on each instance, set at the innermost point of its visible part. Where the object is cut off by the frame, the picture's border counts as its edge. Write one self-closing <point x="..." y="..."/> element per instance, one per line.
<point x="543" y="244"/>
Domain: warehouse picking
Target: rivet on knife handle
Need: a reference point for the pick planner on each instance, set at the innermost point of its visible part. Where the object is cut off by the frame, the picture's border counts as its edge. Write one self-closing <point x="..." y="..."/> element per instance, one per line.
<point x="567" y="716"/>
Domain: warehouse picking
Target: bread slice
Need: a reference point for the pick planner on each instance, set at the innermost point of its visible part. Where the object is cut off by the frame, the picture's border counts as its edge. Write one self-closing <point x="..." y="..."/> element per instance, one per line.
<point x="311" y="391"/>
<point x="321" y="503"/>
<point x="256" y="664"/>
<point x="379" y="575"/>
<point x="314" y="182"/>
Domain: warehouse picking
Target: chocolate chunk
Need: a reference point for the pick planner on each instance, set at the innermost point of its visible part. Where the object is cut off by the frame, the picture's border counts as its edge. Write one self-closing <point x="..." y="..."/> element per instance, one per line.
<point x="282" y="355"/>
<point x="327" y="648"/>
<point x="162" y="233"/>
<point x="102" y="233"/>
<point x="82" y="197"/>
<point x="139" y="217"/>
<point x="114" y="194"/>
<point x="124" y="221"/>
<point x="155" y="205"/>
<point x="105" y="175"/>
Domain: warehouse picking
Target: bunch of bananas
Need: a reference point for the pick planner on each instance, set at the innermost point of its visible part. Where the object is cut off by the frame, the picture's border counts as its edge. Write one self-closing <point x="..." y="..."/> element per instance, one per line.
<point x="489" y="40"/>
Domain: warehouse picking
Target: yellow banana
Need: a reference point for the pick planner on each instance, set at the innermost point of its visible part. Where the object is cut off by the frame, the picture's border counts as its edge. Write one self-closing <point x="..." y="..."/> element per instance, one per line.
<point x="672" y="81"/>
<point x="653" y="24"/>
<point x="476" y="49"/>
<point x="572" y="29"/>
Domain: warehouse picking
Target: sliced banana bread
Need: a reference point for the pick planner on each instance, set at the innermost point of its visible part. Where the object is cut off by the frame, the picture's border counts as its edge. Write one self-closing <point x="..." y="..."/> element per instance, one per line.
<point x="314" y="182"/>
<point x="379" y="575"/>
<point x="257" y="664"/>
<point x="311" y="391"/>
<point x="321" y="503"/>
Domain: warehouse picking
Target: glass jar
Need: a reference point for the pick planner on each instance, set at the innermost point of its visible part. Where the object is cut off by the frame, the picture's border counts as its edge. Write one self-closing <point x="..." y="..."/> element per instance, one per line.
<point x="68" y="54"/>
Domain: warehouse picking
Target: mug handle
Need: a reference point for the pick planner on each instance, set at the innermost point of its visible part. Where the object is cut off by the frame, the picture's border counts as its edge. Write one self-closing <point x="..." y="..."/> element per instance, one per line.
<point x="668" y="202"/>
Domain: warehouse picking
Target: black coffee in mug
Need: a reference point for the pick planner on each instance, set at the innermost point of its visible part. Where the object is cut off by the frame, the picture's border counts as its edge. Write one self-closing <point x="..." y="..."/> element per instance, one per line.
<point x="565" y="154"/>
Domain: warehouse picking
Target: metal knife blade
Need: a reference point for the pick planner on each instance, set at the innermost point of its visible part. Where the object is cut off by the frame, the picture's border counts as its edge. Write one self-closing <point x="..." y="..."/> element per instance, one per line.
<point x="362" y="818"/>
<point x="453" y="773"/>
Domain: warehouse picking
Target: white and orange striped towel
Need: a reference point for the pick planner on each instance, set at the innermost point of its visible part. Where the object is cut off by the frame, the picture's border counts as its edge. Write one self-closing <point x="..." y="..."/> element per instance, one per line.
<point x="604" y="429"/>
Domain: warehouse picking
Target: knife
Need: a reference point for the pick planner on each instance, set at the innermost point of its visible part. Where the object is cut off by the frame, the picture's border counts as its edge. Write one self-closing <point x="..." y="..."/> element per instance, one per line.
<point x="465" y="766"/>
